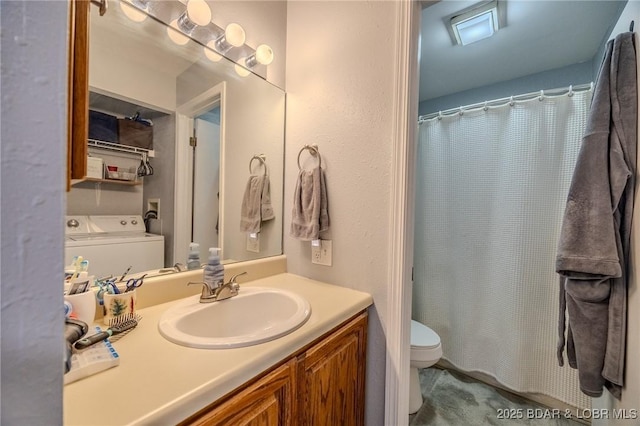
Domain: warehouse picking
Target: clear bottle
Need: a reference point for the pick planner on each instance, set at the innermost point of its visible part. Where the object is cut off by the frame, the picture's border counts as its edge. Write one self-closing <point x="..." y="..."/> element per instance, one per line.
<point x="194" y="256"/>
<point x="214" y="270"/>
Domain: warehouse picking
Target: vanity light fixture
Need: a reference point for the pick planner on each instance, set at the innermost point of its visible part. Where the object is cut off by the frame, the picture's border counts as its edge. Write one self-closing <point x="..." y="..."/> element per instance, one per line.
<point x="475" y="24"/>
<point x="175" y="35"/>
<point x="135" y="9"/>
<point x="241" y="71"/>
<point x="263" y="56"/>
<point x="198" y="13"/>
<point x="210" y="53"/>
<point x="233" y="36"/>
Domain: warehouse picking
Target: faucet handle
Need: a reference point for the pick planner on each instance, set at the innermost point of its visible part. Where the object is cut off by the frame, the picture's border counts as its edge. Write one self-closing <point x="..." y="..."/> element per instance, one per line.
<point x="202" y="283"/>
<point x="233" y="278"/>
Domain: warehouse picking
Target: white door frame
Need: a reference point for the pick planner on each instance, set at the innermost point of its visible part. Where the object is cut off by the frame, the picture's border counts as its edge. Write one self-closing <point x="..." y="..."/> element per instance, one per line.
<point x="405" y="119"/>
<point x="185" y="115"/>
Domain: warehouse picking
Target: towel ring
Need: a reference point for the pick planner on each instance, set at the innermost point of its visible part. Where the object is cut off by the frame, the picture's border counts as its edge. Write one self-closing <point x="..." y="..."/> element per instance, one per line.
<point x="262" y="159"/>
<point x="313" y="150"/>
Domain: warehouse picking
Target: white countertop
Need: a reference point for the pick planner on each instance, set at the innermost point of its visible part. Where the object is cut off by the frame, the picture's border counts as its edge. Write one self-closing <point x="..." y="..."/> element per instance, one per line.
<point x="161" y="382"/>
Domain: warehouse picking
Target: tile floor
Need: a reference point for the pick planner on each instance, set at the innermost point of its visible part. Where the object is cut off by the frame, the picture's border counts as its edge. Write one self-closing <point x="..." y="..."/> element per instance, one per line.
<point x="451" y="398"/>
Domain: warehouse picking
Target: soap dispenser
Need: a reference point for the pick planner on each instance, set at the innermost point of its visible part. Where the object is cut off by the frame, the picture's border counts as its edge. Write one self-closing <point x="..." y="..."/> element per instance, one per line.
<point x="194" y="256"/>
<point x="214" y="270"/>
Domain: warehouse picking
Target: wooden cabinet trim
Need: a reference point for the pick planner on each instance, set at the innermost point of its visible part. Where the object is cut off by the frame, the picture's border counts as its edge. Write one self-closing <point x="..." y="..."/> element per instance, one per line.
<point x="78" y="94"/>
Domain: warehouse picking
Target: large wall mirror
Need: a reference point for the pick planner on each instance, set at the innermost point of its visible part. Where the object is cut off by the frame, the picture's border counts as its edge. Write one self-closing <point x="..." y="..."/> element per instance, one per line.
<point x="190" y="93"/>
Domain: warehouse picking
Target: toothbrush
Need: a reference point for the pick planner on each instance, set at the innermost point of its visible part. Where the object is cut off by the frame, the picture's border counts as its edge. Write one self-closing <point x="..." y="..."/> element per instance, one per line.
<point x="77" y="264"/>
<point x="125" y="274"/>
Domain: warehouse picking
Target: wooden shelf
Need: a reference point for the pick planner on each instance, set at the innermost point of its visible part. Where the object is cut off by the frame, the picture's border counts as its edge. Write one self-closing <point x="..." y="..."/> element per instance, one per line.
<point x="109" y="181"/>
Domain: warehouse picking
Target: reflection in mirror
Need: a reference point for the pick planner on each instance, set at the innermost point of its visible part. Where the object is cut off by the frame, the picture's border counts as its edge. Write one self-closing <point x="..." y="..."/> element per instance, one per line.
<point x="208" y="122"/>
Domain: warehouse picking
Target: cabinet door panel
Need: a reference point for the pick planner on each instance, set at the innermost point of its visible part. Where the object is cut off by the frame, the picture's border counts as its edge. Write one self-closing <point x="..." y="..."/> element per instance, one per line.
<point x="268" y="402"/>
<point x="331" y="378"/>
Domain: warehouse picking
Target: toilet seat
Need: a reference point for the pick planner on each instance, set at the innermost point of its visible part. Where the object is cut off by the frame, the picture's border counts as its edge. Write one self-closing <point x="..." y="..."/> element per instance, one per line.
<point x="422" y="337"/>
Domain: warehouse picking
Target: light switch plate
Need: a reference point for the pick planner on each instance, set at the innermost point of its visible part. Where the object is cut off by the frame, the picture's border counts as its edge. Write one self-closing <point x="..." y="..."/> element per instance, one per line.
<point x="321" y="254"/>
<point x="253" y="243"/>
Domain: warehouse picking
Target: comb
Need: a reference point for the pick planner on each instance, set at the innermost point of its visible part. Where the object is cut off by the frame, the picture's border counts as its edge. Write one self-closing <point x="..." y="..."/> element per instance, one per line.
<point x="118" y="327"/>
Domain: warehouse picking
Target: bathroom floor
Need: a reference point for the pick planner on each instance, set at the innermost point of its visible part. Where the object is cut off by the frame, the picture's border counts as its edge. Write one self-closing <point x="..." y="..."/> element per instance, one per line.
<point x="451" y="398"/>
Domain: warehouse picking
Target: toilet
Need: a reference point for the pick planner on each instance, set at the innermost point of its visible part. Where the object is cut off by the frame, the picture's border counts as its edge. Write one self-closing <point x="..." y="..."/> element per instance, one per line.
<point x="426" y="350"/>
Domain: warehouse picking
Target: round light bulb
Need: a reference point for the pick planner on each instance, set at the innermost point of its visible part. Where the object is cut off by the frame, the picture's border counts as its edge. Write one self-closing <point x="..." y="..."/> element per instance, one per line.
<point x="132" y="12"/>
<point x="241" y="71"/>
<point x="199" y="12"/>
<point x="234" y="34"/>
<point x="210" y="53"/>
<point x="175" y="35"/>
<point x="264" y="54"/>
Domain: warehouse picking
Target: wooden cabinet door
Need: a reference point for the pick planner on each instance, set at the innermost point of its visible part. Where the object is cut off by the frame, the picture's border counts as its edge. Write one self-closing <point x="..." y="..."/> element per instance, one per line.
<point x="267" y="402"/>
<point x="331" y="378"/>
<point x="78" y="109"/>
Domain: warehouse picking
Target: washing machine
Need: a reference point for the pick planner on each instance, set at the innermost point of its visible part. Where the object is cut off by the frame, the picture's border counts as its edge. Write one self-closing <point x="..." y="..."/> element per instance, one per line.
<point x="112" y="244"/>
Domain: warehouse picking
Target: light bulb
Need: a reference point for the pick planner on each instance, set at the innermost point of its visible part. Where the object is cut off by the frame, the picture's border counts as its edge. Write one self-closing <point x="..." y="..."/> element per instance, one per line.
<point x="264" y="54"/>
<point x="241" y="71"/>
<point x="199" y="12"/>
<point x="234" y="34"/>
<point x="210" y="53"/>
<point x="175" y="35"/>
<point x="132" y="12"/>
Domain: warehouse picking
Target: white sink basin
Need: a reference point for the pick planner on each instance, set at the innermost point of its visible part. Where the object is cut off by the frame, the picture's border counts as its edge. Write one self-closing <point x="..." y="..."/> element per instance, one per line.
<point x="255" y="315"/>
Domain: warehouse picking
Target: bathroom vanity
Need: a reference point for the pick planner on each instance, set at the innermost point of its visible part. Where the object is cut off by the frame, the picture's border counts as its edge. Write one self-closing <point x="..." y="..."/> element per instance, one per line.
<point x="314" y="375"/>
<point x="323" y="384"/>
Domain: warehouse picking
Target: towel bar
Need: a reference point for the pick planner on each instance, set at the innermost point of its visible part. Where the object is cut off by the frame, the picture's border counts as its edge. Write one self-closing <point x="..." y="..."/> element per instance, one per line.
<point x="263" y="160"/>
<point x="313" y="150"/>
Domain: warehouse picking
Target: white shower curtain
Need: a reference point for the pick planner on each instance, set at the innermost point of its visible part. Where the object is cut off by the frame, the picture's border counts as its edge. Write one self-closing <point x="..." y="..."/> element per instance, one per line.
<point x="491" y="190"/>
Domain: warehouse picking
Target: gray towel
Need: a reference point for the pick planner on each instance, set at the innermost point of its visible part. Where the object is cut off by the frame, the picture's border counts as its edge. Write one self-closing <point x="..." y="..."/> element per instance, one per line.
<point x="256" y="204"/>
<point x="593" y="250"/>
<point x="266" y="209"/>
<point x="310" y="214"/>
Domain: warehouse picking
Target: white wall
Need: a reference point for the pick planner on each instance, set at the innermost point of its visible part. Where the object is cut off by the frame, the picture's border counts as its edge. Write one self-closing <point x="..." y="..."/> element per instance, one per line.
<point x="631" y="391"/>
<point x="340" y="81"/>
<point x="33" y="164"/>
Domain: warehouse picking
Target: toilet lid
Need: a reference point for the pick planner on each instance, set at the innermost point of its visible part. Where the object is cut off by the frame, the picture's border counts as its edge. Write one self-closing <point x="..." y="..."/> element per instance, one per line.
<point x="422" y="336"/>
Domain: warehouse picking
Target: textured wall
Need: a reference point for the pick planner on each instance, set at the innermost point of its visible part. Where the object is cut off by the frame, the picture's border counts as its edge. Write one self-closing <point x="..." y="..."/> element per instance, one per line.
<point x="340" y="66"/>
<point x="33" y="164"/>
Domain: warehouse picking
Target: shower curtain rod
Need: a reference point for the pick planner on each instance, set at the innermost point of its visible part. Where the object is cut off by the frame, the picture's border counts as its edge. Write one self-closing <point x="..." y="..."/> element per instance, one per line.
<point x="503" y="101"/>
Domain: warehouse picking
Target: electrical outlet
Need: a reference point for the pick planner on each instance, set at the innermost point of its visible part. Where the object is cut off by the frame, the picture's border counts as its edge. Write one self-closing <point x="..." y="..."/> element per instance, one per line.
<point x="253" y="243"/>
<point x="321" y="253"/>
<point x="154" y="204"/>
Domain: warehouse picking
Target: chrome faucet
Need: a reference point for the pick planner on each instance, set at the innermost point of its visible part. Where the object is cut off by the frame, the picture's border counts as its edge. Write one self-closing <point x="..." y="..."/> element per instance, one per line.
<point x="225" y="291"/>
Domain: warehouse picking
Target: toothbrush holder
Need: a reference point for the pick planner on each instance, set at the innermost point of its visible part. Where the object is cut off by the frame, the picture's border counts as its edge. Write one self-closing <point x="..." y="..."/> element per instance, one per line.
<point x="116" y="305"/>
